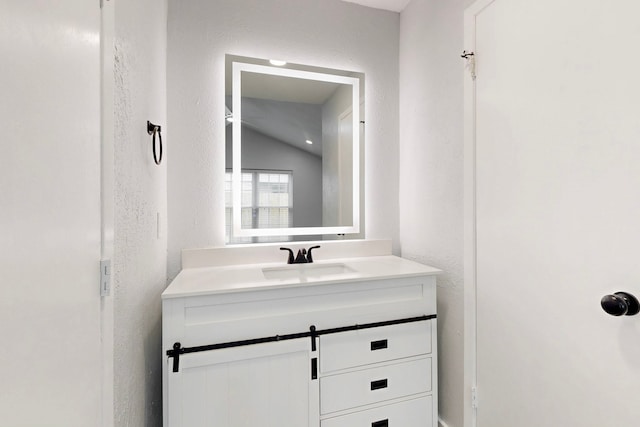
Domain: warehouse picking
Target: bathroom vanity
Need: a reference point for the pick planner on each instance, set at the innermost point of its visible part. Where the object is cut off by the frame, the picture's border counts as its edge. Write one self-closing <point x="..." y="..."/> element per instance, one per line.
<point x="341" y="342"/>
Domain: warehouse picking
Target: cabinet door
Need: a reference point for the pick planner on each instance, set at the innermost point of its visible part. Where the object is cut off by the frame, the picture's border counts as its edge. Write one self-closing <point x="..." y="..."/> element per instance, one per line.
<point x="267" y="385"/>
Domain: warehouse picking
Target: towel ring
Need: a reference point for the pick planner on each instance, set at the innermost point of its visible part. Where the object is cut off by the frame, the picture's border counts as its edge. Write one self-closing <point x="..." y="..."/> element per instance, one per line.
<point x="153" y="130"/>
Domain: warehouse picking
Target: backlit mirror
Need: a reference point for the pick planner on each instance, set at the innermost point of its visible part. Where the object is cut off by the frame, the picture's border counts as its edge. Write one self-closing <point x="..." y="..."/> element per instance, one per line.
<point x="293" y="151"/>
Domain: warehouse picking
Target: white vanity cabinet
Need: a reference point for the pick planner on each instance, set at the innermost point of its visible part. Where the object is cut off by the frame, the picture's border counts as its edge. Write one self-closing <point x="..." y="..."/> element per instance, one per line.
<point x="353" y="350"/>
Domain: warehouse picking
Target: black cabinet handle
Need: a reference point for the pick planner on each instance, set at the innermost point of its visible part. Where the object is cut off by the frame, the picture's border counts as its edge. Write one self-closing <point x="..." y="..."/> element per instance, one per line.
<point x="620" y="303"/>
<point x="381" y="423"/>
<point x="378" y="345"/>
<point x="376" y="385"/>
<point x="314" y="368"/>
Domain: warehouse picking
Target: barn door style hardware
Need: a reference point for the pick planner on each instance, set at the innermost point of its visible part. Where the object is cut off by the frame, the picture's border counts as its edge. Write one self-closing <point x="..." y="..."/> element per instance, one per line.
<point x="471" y="62"/>
<point x="313" y="334"/>
<point x="178" y="350"/>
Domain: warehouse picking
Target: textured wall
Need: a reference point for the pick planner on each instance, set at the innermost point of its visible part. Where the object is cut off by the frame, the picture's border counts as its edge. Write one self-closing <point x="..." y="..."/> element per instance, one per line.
<point x="327" y="33"/>
<point x="140" y="194"/>
<point x="431" y="172"/>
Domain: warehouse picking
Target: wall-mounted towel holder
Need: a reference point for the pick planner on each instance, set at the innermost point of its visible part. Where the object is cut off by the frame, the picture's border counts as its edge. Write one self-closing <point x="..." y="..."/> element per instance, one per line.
<point x="155" y="130"/>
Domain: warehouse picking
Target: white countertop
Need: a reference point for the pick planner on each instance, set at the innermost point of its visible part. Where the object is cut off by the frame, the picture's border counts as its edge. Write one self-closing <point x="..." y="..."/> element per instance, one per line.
<point x="250" y="277"/>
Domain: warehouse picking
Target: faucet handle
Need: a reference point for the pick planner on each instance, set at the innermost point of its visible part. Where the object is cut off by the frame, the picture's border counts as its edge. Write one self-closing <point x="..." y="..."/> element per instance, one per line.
<point x="309" y="258"/>
<point x="290" y="260"/>
<point x="301" y="258"/>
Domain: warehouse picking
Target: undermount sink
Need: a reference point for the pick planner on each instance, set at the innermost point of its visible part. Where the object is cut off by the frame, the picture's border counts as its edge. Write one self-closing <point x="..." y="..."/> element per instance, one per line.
<point x="303" y="271"/>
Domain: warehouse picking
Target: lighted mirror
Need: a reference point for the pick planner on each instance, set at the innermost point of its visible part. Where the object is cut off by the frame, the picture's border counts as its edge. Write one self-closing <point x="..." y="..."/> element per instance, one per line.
<point x="293" y="151"/>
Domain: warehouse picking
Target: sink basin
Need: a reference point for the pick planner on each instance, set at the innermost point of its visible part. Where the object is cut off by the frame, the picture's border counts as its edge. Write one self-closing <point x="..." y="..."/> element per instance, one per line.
<point x="305" y="271"/>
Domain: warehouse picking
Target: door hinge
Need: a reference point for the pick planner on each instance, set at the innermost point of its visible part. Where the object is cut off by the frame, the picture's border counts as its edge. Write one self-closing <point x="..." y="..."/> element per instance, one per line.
<point x="474" y="397"/>
<point x="105" y="277"/>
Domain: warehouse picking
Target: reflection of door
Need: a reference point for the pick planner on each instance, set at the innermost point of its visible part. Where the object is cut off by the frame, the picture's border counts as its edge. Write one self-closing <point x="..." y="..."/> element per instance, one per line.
<point x="557" y="139"/>
<point x="50" y="367"/>
<point x="345" y="168"/>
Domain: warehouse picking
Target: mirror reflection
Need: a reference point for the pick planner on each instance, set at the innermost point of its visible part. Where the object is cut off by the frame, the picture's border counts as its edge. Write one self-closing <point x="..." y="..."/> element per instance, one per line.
<point x="292" y="168"/>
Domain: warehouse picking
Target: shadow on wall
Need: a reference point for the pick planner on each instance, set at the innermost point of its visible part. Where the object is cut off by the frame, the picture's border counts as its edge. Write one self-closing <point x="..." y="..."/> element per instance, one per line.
<point x="153" y="375"/>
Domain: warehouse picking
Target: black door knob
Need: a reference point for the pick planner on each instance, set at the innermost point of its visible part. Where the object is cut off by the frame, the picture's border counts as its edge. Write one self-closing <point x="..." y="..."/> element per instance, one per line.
<point x="620" y="303"/>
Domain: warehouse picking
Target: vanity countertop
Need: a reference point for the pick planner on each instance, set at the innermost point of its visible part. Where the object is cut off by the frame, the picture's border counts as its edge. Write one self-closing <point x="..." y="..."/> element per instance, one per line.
<point x="252" y="277"/>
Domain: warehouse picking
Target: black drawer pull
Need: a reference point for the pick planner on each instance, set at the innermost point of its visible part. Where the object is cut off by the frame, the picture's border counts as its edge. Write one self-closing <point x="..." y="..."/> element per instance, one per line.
<point x="378" y="345"/>
<point x="376" y="385"/>
<point x="381" y="423"/>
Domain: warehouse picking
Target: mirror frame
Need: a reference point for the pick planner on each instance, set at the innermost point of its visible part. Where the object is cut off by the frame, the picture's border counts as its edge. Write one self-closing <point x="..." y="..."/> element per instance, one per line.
<point x="238" y="231"/>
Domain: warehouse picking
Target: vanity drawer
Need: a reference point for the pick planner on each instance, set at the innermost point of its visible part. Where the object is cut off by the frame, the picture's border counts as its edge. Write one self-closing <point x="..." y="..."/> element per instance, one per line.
<point x="366" y="346"/>
<point x="411" y="413"/>
<point x="366" y="386"/>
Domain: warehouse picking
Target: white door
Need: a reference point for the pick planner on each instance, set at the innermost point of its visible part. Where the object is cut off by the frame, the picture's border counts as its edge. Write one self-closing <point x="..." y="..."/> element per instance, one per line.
<point x="557" y="205"/>
<point x="345" y="168"/>
<point x="50" y="367"/>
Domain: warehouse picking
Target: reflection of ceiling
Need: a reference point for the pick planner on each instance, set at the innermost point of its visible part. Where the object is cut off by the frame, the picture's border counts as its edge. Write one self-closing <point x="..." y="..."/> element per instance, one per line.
<point x="392" y="5"/>
<point x="287" y="89"/>
<point x="291" y="123"/>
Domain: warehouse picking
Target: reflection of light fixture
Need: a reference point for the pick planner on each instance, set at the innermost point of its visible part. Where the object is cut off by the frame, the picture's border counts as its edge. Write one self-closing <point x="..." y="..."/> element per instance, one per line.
<point x="277" y="62"/>
<point x="309" y="142"/>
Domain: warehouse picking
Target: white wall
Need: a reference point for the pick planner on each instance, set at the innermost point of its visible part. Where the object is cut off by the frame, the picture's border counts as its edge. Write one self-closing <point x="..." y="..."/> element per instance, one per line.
<point x="140" y="194"/>
<point x="327" y="33"/>
<point x="431" y="172"/>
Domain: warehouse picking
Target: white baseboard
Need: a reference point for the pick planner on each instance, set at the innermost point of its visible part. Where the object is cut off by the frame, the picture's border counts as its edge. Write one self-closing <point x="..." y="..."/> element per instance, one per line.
<point x="442" y="423"/>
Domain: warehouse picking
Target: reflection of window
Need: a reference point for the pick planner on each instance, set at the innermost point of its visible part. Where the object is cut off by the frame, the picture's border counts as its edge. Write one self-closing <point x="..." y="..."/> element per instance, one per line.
<point x="267" y="202"/>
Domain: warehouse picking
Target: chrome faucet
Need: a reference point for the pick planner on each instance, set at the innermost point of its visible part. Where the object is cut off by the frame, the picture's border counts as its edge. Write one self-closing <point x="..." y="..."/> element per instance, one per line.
<point x="303" y="256"/>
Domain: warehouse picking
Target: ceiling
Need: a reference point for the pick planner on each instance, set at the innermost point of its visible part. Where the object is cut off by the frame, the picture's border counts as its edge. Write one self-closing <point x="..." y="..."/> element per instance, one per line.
<point x="392" y="5"/>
